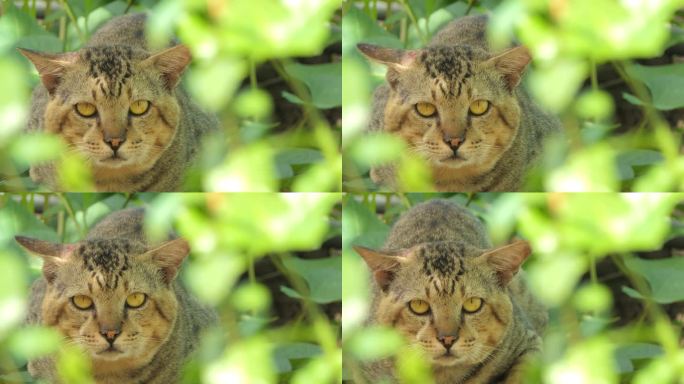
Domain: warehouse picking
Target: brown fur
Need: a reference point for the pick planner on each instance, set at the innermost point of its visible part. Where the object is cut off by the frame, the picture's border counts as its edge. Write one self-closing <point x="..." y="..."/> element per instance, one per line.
<point x="439" y="253"/>
<point x="454" y="70"/>
<point x="114" y="261"/>
<point x="111" y="72"/>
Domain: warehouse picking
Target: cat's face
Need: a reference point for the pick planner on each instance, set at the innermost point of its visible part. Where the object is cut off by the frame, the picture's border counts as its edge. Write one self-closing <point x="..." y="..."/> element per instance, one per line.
<point x="447" y="298"/>
<point x="454" y="106"/>
<point x="114" y="105"/>
<point x="112" y="297"/>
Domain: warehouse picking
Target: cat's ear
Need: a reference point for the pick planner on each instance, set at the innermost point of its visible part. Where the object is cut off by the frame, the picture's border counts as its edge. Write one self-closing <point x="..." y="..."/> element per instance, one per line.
<point x="171" y="63"/>
<point x="169" y="256"/>
<point x="506" y="260"/>
<point x="383" y="265"/>
<point x="54" y="255"/>
<point x="396" y="60"/>
<point x="50" y="66"/>
<point x="511" y="64"/>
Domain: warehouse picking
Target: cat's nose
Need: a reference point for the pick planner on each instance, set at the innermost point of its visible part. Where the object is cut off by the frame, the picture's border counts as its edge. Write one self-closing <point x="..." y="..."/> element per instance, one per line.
<point x="110" y="334"/>
<point x="454" y="142"/>
<point x="115" y="142"/>
<point x="447" y="341"/>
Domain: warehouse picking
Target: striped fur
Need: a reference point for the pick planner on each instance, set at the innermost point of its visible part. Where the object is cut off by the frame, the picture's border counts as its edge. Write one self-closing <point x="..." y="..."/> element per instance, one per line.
<point x="114" y="70"/>
<point x="114" y="261"/>
<point x="439" y="253"/>
<point x="456" y="69"/>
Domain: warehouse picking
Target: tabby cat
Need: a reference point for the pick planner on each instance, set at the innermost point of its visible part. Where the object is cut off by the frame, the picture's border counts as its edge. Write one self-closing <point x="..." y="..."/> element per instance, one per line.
<point x="120" y="107"/>
<point x="116" y="296"/>
<point x="460" y="107"/>
<point x="439" y="282"/>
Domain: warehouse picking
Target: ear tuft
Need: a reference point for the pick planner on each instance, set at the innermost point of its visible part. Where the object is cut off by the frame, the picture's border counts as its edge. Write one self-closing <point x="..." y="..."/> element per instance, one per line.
<point x="506" y="260"/>
<point x="383" y="265"/>
<point x="169" y="256"/>
<point x="171" y="63"/>
<point x="50" y="66"/>
<point x="511" y="64"/>
<point x="394" y="58"/>
<point x="53" y="254"/>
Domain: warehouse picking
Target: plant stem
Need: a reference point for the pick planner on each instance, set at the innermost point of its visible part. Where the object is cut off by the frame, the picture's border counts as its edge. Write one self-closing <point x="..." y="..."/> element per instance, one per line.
<point x="414" y="20"/>
<point x="70" y="211"/>
<point x="72" y="16"/>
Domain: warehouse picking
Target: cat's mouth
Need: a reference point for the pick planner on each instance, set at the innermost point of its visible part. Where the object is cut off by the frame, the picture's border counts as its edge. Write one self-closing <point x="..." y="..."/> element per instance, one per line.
<point x="114" y="159"/>
<point x="453" y="158"/>
<point x="447" y="358"/>
<point x="110" y="351"/>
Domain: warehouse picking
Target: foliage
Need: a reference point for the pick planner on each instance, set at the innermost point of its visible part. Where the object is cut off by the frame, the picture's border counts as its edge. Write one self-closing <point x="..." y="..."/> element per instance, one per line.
<point x="596" y="64"/>
<point x="575" y="237"/>
<point x="252" y="255"/>
<point x="244" y="69"/>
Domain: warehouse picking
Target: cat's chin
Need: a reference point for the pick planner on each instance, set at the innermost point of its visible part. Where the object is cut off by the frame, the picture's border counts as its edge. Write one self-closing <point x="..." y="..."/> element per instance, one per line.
<point x="446" y="360"/>
<point x="109" y="354"/>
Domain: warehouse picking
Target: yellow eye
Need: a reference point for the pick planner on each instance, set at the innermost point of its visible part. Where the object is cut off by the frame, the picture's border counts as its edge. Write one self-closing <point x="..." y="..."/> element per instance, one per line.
<point x="135" y="300"/>
<point x="82" y="302"/>
<point x="479" y="107"/>
<point x="139" y="107"/>
<point x="85" y="109"/>
<point x="472" y="305"/>
<point x="419" y="307"/>
<point x="426" y="109"/>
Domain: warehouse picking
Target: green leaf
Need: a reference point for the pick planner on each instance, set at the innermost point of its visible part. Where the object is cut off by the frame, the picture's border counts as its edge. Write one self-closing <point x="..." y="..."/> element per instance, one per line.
<point x="358" y="27"/>
<point x="666" y="83"/>
<point x="637" y="157"/>
<point x="323" y="276"/>
<point x="624" y="355"/>
<point x="374" y="343"/>
<point x="33" y="342"/>
<point x="25" y="223"/>
<point x="360" y="226"/>
<point x="323" y="80"/>
<point x="299" y="156"/>
<point x="665" y="277"/>
<point x="292" y="351"/>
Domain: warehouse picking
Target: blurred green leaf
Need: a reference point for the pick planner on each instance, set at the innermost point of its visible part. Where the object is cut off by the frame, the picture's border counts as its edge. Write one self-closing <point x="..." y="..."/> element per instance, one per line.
<point x="294" y="351"/>
<point x="665" y="276"/>
<point x="374" y="343"/>
<point x="323" y="276"/>
<point x="624" y="354"/>
<point x="361" y="226"/>
<point x="666" y="83"/>
<point x="628" y="160"/>
<point x="33" y="342"/>
<point x="323" y="80"/>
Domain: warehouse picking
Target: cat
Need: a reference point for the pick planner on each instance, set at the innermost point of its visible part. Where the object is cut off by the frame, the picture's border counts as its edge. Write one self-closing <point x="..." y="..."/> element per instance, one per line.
<point x="119" y="106"/>
<point x="439" y="282"/>
<point x="460" y="107"/>
<point x="116" y="296"/>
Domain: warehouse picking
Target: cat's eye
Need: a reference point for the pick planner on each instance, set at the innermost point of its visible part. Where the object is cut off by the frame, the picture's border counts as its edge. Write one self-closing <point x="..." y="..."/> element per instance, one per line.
<point x="135" y="300"/>
<point x="86" y="109"/>
<point x="419" y="307"/>
<point x="472" y="305"/>
<point x="426" y="109"/>
<point x="139" y="107"/>
<point x="479" y="107"/>
<point x="82" y="302"/>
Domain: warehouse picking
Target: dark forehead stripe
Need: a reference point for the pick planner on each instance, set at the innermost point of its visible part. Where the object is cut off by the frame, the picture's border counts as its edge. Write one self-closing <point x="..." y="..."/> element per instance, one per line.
<point x="106" y="258"/>
<point x="451" y="65"/>
<point x="444" y="262"/>
<point x="111" y="65"/>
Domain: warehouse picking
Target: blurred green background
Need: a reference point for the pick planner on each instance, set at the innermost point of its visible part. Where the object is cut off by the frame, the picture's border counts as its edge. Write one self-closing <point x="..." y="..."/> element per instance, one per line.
<point x="269" y="263"/>
<point x="609" y="267"/>
<point x="270" y="69"/>
<point x="612" y="70"/>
